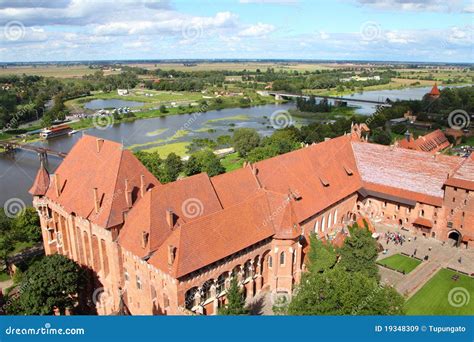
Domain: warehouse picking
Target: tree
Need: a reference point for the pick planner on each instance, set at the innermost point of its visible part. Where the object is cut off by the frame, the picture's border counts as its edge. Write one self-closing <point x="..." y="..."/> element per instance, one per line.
<point x="359" y="252"/>
<point x="235" y="301"/>
<point x="210" y="163"/>
<point x="172" y="166"/>
<point x="203" y="161"/>
<point x="53" y="282"/>
<point x="337" y="292"/>
<point x="26" y="226"/>
<point x="245" y="140"/>
<point x="381" y="137"/>
<point x="192" y="166"/>
<point x="163" y="109"/>
<point x="321" y="257"/>
<point x="152" y="161"/>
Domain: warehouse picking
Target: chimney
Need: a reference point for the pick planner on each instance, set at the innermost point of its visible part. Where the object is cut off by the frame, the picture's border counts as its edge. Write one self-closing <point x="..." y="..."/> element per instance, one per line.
<point x="57" y="184"/>
<point x="171" y="254"/>
<point x="128" y="195"/>
<point x="99" y="142"/>
<point x="145" y="236"/>
<point x="170" y="218"/>
<point x="407" y="136"/>
<point x="142" y="185"/>
<point x="96" y="201"/>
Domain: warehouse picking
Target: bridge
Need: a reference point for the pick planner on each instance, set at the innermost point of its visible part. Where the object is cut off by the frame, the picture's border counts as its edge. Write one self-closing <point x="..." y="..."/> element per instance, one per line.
<point x="11" y="145"/>
<point x="336" y="98"/>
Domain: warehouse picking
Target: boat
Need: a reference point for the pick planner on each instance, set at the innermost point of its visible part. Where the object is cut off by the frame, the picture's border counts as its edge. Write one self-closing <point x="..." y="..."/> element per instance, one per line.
<point x="73" y="131"/>
<point x="55" y="131"/>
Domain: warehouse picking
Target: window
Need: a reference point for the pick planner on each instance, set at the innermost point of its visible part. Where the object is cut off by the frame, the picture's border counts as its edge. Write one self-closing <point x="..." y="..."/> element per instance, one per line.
<point x="139" y="283"/>
<point x="125" y="274"/>
<point x="270" y="261"/>
<point x="329" y="220"/>
<point x="316" y="227"/>
<point x="323" y="224"/>
<point x="282" y="258"/>
<point x="398" y="206"/>
<point x="452" y="211"/>
<point x="220" y="286"/>
<point x="385" y="204"/>
<point x="335" y="217"/>
<point x="454" y="199"/>
<point x="422" y="213"/>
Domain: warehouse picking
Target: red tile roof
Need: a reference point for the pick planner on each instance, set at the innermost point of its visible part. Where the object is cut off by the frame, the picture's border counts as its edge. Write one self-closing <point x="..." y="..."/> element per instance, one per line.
<point x="463" y="177"/>
<point x="404" y="172"/>
<point x="213" y="237"/>
<point x="41" y="183"/>
<point x="301" y="172"/>
<point x="434" y="91"/>
<point x="204" y="220"/>
<point x="423" y="222"/>
<point x="188" y="199"/>
<point x="104" y="165"/>
<point x="431" y="142"/>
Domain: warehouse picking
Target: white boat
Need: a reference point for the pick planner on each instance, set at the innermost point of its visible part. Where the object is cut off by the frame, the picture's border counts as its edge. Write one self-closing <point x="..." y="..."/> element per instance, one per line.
<point x="72" y="132"/>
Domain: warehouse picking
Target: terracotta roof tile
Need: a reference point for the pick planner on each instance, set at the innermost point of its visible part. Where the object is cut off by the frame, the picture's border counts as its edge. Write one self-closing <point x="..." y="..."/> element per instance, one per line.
<point x="104" y="165"/>
<point x="213" y="237"/>
<point x="404" y="170"/>
<point x="41" y="183"/>
<point x="188" y="199"/>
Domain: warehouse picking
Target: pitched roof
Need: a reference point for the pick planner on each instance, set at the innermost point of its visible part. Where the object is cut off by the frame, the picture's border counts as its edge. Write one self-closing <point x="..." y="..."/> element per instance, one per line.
<point x="404" y="172"/>
<point x="463" y="176"/>
<point x="187" y="199"/>
<point x="213" y="237"/>
<point x="432" y="142"/>
<point x="103" y="165"/>
<point x="434" y="91"/>
<point x="321" y="175"/>
<point x="41" y="183"/>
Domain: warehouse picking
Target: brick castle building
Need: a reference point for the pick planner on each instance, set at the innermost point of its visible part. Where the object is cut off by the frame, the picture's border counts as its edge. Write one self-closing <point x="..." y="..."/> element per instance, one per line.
<point x="172" y="248"/>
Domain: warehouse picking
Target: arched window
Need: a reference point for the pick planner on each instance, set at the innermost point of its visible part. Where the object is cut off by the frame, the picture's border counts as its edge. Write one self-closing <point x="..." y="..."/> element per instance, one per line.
<point x="206" y="290"/>
<point x="247" y="271"/>
<point x="329" y="220"/>
<point x="190" y="298"/>
<point x="221" y="282"/>
<point x="335" y="217"/>
<point x="270" y="261"/>
<point x="316" y="227"/>
<point x="282" y="258"/>
<point x="323" y="224"/>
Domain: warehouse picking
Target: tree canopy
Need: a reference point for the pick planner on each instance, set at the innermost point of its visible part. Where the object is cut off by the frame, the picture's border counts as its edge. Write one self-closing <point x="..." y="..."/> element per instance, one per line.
<point x="53" y="282"/>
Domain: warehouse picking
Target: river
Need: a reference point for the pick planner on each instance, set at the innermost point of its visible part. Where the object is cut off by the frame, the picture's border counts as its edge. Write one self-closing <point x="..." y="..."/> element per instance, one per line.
<point x="17" y="173"/>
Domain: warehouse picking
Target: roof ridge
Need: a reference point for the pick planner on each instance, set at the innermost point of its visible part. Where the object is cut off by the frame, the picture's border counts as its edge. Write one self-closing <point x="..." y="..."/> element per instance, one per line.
<point x="115" y="187"/>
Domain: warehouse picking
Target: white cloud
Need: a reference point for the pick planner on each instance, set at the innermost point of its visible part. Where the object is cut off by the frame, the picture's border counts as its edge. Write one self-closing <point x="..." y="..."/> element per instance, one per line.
<point x="257" y="30"/>
<point x="413" y="5"/>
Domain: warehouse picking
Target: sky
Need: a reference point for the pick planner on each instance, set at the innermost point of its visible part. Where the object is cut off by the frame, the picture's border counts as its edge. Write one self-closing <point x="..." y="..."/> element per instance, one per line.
<point x="385" y="30"/>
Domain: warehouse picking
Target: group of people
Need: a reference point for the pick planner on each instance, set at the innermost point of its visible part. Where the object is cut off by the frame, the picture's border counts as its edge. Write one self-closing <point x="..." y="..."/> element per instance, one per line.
<point x="396" y="238"/>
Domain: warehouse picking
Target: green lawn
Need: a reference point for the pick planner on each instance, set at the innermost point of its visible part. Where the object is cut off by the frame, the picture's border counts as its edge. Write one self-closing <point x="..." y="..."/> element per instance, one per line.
<point x="441" y="295"/>
<point x="232" y="162"/>
<point x="400" y="263"/>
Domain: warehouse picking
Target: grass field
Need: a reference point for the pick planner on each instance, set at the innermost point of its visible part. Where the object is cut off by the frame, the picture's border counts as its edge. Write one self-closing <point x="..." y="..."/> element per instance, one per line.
<point x="60" y="71"/>
<point x="232" y="162"/>
<point x="441" y="295"/>
<point x="400" y="263"/>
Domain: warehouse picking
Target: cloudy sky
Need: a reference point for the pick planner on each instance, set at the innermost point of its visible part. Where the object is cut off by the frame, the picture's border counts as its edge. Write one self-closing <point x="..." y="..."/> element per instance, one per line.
<point x="403" y="30"/>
